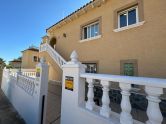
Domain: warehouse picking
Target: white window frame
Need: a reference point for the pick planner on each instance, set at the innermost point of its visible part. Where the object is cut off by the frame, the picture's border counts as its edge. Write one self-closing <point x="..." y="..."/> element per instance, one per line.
<point x="126" y="11"/>
<point x="90" y="25"/>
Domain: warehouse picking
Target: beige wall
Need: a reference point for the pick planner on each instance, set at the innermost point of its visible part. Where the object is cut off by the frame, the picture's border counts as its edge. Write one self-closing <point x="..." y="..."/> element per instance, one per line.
<point x="55" y="73"/>
<point x="146" y="44"/>
<point x="27" y="59"/>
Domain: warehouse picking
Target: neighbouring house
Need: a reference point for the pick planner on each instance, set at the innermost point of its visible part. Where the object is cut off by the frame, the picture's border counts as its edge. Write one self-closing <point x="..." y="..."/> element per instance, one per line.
<point x="112" y="37"/>
<point x="16" y="63"/>
<point x="30" y="57"/>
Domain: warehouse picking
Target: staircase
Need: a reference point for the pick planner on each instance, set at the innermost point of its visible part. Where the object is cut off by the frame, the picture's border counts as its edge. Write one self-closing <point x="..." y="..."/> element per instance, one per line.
<point x="54" y="55"/>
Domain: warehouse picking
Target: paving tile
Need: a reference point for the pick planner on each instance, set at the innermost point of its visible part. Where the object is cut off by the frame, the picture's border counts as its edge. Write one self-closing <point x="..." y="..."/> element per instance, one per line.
<point x="53" y="104"/>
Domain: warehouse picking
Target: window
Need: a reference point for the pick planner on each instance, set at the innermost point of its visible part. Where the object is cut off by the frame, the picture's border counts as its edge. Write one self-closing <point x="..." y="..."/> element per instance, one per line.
<point x="90" y="31"/>
<point x="129" y="68"/>
<point x="128" y="17"/>
<point x="90" y="67"/>
<point x="35" y="59"/>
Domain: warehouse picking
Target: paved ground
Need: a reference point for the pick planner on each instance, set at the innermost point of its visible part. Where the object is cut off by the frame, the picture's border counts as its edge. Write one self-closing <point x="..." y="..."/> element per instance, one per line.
<point x="54" y="103"/>
<point x="8" y="115"/>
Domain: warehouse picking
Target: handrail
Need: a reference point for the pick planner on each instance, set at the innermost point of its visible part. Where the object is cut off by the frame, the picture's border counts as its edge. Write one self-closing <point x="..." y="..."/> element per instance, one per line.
<point x="57" y="53"/>
<point x="155" y="82"/>
<point x="54" y="54"/>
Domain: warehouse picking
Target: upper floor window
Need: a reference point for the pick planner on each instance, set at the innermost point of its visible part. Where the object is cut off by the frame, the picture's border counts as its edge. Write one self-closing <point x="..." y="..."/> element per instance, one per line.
<point x="90" y="31"/>
<point x="128" y="17"/>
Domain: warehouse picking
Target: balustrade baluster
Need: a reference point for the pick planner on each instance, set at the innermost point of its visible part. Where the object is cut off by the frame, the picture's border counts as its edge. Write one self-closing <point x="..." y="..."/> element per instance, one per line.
<point x="90" y="103"/>
<point x="125" y="116"/>
<point x="153" y="110"/>
<point x="105" y="109"/>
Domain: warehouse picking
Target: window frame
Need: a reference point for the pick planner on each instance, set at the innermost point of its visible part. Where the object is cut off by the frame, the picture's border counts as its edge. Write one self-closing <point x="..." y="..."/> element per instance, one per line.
<point x="94" y="64"/>
<point x="133" y="61"/>
<point x="90" y="26"/>
<point x="127" y="12"/>
<point x="141" y="21"/>
<point x="135" y="65"/>
<point x="89" y="23"/>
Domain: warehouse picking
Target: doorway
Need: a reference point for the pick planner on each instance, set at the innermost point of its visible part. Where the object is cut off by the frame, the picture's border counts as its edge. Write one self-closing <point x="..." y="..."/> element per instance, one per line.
<point x="53" y="42"/>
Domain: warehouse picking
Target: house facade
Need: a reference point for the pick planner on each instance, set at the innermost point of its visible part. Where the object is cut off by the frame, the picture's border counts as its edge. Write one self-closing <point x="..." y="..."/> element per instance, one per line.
<point x="16" y="63"/>
<point x="30" y="57"/>
<point x="112" y="37"/>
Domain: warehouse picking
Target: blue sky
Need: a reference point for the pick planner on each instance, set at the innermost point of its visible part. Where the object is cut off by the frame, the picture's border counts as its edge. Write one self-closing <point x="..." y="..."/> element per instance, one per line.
<point x="23" y="22"/>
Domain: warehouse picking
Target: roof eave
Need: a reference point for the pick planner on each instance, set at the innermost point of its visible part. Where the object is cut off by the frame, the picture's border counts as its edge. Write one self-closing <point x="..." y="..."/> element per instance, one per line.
<point x="75" y="14"/>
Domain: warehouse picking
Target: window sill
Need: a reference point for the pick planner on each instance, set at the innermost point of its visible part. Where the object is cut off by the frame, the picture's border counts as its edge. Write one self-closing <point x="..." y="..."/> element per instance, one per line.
<point x="90" y="39"/>
<point x="129" y="27"/>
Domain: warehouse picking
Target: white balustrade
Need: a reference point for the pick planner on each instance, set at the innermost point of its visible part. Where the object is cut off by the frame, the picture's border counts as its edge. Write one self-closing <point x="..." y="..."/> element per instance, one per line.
<point x="55" y="55"/>
<point x="153" y="87"/>
<point x="29" y="74"/>
<point x="25" y="72"/>
<point x="22" y="81"/>
<point x="26" y="83"/>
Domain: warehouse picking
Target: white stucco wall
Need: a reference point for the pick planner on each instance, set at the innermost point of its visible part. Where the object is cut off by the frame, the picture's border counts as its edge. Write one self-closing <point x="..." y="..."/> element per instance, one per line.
<point x="22" y="102"/>
<point x="27" y="104"/>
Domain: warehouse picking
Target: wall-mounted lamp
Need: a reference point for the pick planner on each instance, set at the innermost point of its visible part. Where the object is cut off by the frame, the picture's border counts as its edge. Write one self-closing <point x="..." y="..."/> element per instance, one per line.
<point x="64" y="35"/>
